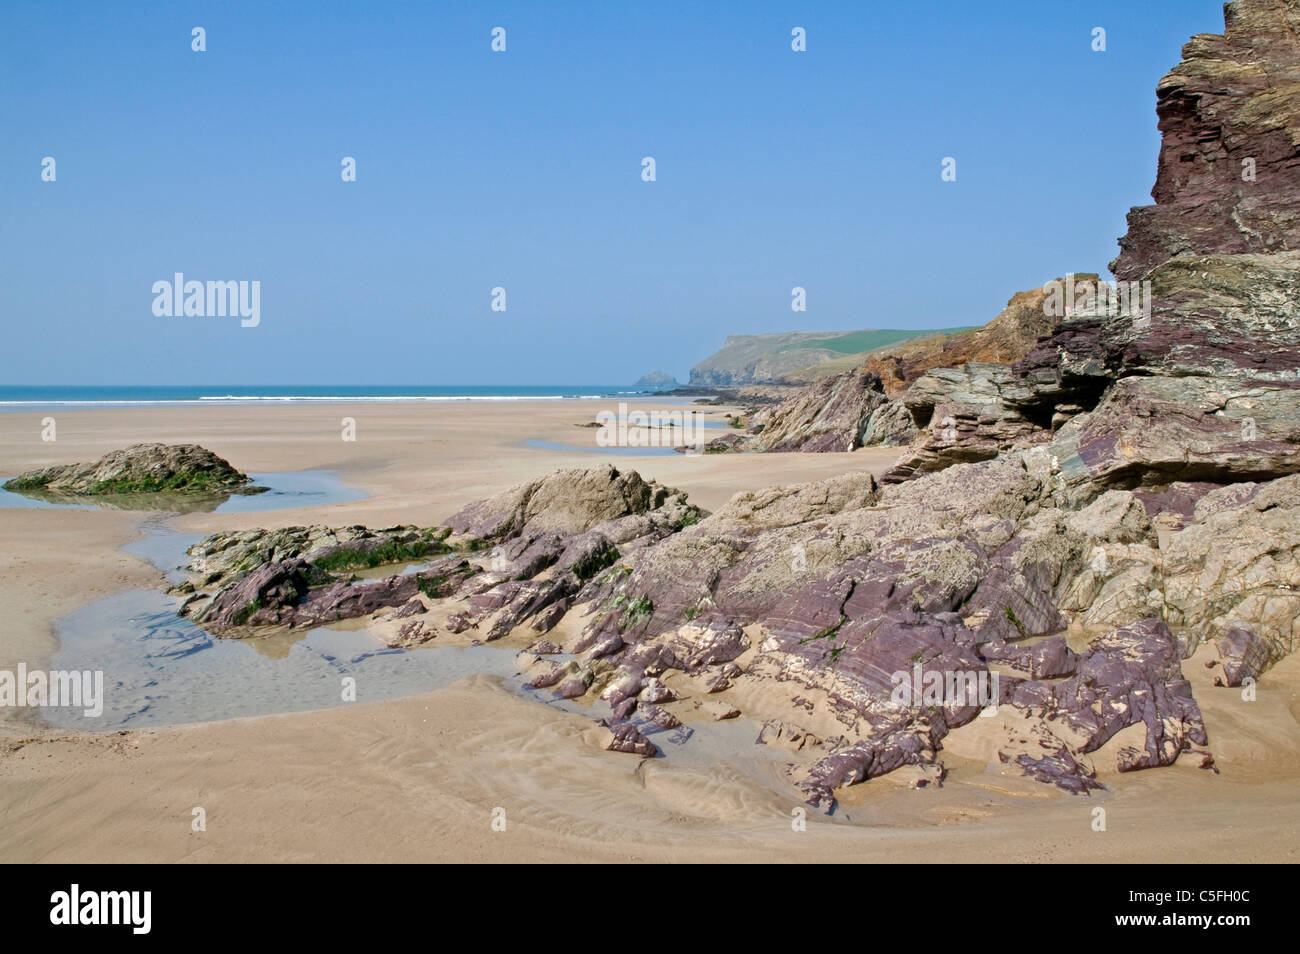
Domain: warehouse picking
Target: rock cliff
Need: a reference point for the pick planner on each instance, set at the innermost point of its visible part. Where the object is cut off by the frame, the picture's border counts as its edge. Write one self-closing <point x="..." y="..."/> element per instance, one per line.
<point x="1229" y="117"/>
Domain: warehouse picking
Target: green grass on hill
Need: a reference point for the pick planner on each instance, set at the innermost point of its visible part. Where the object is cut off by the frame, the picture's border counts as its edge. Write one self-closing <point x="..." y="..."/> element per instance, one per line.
<point x="856" y="342"/>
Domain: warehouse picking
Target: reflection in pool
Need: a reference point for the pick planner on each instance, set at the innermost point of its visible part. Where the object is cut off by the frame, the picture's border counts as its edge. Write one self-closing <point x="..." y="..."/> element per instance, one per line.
<point x="162" y="669"/>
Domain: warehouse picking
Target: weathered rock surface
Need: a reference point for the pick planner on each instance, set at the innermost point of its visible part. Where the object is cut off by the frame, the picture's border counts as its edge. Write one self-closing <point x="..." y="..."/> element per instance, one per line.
<point x="836" y="586"/>
<point x="140" y="468"/>
<point x="547" y="539"/>
<point x="1228" y="179"/>
<point x="967" y="416"/>
<point x="831" y="415"/>
<point x="294" y="593"/>
<point x="1129" y="676"/>
<point x="1152" y="431"/>
<point x="627" y="738"/>
<point x="570" y="501"/>
<point x="229" y="555"/>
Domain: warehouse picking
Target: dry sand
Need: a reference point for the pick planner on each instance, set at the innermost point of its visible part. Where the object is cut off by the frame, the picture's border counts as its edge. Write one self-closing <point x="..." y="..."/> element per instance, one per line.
<point x="419" y="779"/>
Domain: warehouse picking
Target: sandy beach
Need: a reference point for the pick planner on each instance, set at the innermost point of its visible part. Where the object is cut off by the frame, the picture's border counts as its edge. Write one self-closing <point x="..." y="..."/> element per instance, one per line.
<point x="422" y="778"/>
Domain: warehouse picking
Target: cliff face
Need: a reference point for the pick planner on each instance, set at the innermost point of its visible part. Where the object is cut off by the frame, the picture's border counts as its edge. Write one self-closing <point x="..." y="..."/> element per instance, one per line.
<point x="758" y="359"/>
<point x="1007" y="338"/>
<point x="765" y="359"/>
<point x="1228" y="179"/>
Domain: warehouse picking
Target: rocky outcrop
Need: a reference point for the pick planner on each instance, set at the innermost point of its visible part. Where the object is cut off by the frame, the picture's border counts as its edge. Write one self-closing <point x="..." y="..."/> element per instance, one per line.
<point x="832" y="415"/>
<point x="836" y="586"/>
<point x="1011" y="335"/>
<point x="1131" y="676"/>
<point x="1226" y="182"/>
<point x="967" y="415"/>
<point x="656" y="381"/>
<point x="294" y="593"/>
<point x="535" y="546"/>
<point x="140" y="468"/>
<point x="227" y="556"/>
<point x="571" y="501"/>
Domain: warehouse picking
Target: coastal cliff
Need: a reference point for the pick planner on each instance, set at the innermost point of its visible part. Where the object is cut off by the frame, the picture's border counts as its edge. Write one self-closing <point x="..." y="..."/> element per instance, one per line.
<point x="769" y="359"/>
<point x="1230" y="127"/>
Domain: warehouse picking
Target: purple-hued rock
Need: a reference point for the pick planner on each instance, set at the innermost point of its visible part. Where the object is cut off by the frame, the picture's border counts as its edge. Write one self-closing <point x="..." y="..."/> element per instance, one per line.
<point x="548" y="678"/>
<point x="628" y="738"/>
<point x="624" y="709"/>
<point x="1130" y="676"/>
<point x="1244" y="655"/>
<point x="659" y="716"/>
<point x="1052" y="659"/>
<point x="407" y="609"/>
<point x="656" y="692"/>
<point x="864" y="760"/>
<point x="414" y="633"/>
<point x="294" y="593"/>
<point x="574" y="686"/>
<point x="266" y="596"/>
<point x="608" y="645"/>
<point x="459" y="622"/>
<point x="1060" y="768"/>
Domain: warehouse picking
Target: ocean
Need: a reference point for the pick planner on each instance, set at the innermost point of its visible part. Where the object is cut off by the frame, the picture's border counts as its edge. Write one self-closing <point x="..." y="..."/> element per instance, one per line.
<point x="34" y="398"/>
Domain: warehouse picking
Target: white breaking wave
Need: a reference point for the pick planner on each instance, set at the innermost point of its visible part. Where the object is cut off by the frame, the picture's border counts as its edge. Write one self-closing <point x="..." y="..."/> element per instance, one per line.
<point x="304" y="398"/>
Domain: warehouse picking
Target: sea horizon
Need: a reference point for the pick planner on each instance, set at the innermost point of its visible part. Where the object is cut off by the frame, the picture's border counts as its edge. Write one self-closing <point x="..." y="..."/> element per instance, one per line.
<point x="33" y="397"/>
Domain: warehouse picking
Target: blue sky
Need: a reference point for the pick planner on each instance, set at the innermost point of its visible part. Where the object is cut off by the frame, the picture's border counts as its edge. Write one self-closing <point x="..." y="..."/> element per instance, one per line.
<point x="522" y="169"/>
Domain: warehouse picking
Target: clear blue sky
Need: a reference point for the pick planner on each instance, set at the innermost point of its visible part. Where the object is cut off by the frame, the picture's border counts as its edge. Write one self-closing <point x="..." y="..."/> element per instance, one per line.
<point x="522" y="169"/>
